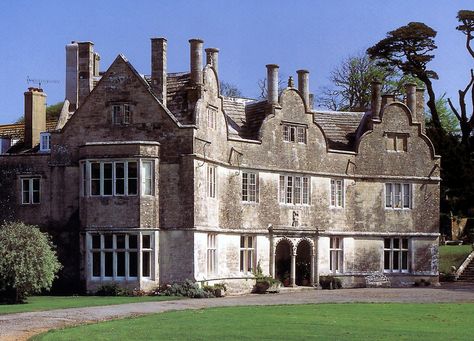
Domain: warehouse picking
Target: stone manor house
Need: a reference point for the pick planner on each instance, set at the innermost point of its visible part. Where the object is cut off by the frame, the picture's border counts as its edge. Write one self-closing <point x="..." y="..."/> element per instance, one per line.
<point x="145" y="180"/>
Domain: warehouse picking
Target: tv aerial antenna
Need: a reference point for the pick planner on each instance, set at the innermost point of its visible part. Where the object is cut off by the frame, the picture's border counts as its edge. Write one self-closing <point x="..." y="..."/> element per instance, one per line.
<point x="41" y="81"/>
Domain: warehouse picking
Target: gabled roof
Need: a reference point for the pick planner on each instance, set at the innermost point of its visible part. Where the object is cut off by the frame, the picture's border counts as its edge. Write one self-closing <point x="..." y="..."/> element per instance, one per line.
<point x="245" y="116"/>
<point x="17" y="130"/>
<point x="340" y="127"/>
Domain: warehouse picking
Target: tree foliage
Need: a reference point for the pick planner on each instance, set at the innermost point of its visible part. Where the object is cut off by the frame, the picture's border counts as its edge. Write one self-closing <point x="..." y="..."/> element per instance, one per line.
<point x="408" y="48"/>
<point x="230" y="90"/>
<point x="262" y="85"/>
<point x="28" y="262"/>
<point x="448" y="120"/>
<point x="52" y="113"/>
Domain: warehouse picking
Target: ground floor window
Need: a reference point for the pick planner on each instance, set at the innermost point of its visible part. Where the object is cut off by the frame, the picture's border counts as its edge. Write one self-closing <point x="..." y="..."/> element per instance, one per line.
<point x="211" y="253"/>
<point x="335" y="254"/>
<point x="120" y="256"/>
<point x="395" y="255"/>
<point x="247" y="254"/>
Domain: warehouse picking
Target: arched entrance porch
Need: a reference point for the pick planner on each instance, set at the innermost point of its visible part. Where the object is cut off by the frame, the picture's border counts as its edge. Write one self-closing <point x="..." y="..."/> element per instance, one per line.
<point x="283" y="255"/>
<point x="304" y="263"/>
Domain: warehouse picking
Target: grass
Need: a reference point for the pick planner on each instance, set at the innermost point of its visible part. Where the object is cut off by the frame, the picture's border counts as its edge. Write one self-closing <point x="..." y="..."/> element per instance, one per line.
<point x="356" y="321"/>
<point x="452" y="255"/>
<point x="40" y="303"/>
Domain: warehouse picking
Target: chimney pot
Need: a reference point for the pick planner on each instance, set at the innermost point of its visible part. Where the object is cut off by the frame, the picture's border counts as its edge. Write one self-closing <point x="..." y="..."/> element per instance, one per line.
<point x="303" y="85"/>
<point x="196" y="60"/>
<point x="272" y="83"/>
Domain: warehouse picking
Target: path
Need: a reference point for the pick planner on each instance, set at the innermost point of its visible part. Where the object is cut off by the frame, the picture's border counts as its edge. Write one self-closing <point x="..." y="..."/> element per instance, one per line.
<point x="21" y="326"/>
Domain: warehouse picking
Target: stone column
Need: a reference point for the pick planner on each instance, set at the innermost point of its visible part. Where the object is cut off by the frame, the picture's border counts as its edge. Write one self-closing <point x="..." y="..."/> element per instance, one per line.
<point x="272" y="83"/>
<point x="293" y="269"/>
<point x="311" y="278"/>
<point x="212" y="57"/>
<point x="316" y="267"/>
<point x="196" y="60"/>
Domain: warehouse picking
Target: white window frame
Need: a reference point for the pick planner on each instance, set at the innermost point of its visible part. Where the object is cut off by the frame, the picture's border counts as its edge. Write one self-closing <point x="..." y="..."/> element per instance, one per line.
<point x="296" y="133"/>
<point x="211" y="181"/>
<point x="45" y="142"/>
<point x="247" y="254"/>
<point x="337" y="193"/>
<point x="249" y="181"/>
<point x="294" y="189"/>
<point x="211" y="254"/>
<point x="396" y="255"/>
<point x="212" y="118"/>
<point x="398" y="196"/>
<point x="117" y="182"/>
<point x="115" y="250"/>
<point x="27" y="186"/>
<point x="147" y="182"/>
<point x="336" y="254"/>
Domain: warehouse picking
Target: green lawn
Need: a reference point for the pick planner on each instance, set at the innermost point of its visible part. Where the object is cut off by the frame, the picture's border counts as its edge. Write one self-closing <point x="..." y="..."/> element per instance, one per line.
<point x="450" y="255"/>
<point x="293" y="322"/>
<point x="38" y="303"/>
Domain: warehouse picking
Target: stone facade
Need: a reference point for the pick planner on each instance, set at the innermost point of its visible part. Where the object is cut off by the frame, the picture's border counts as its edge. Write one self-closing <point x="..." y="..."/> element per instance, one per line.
<point x="158" y="179"/>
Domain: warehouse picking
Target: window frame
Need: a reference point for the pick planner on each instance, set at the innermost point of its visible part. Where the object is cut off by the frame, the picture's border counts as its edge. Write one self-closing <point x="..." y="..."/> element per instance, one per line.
<point x="336" y="255"/>
<point x="30" y="190"/>
<point x="289" y="186"/>
<point x="249" y="190"/>
<point x="294" y="133"/>
<point x="121" y="114"/>
<point x="212" y="117"/>
<point x="247" y="252"/>
<point x="211" y="181"/>
<point x="398" y="200"/>
<point x="397" y="253"/>
<point x="211" y="254"/>
<point x="337" y="193"/>
<point x="45" y="142"/>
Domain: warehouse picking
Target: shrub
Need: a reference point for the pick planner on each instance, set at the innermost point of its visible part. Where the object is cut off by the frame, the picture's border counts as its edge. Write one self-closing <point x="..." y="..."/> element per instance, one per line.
<point x="187" y="288"/>
<point x="112" y="289"/>
<point x="217" y="290"/>
<point x="422" y="283"/>
<point x="28" y="261"/>
<point x="330" y="282"/>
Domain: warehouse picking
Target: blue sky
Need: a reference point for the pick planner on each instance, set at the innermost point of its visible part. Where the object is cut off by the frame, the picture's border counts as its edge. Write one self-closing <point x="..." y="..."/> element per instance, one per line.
<point x="314" y="35"/>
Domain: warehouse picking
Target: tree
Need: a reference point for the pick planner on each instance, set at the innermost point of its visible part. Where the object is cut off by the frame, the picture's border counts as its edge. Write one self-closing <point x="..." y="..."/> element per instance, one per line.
<point x="28" y="262"/>
<point x="466" y="18"/>
<point x="52" y="113"/>
<point x="408" y="49"/>
<point x="262" y="85"/>
<point x="230" y="90"/>
<point x="351" y="84"/>
<point x="448" y="120"/>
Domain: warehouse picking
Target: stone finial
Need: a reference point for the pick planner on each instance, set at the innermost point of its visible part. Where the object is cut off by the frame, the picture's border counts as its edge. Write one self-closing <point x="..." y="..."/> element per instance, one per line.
<point x="291" y="84"/>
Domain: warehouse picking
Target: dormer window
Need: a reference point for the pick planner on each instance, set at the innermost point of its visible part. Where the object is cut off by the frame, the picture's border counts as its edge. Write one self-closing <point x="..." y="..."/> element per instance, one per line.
<point x="45" y="142"/>
<point x="121" y="114"/>
<point x="294" y="133"/>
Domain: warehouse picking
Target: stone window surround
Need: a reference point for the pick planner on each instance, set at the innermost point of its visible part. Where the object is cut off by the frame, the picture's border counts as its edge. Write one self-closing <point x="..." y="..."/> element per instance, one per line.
<point x="211" y="254"/>
<point x="250" y="190"/>
<point x="247" y="254"/>
<point x="401" y="252"/>
<point x="337" y="193"/>
<point x="305" y="190"/>
<point x="212" y="117"/>
<point x="30" y="181"/>
<point x="396" y="142"/>
<point x="336" y="255"/>
<point x="121" y="113"/>
<point x="294" y="132"/>
<point x="405" y="199"/>
<point x="86" y="183"/>
<point x="211" y="181"/>
<point x="140" y="249"/>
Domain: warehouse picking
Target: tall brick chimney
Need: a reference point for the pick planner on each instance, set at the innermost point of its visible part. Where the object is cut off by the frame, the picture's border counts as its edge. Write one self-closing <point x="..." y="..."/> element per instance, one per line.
<point x="212" y="58"/>
<point x="86" y="61"/>
<point x="72" y="64"/>
<point x="196" y="60"/>
<point x="303" y="86"/>
<point x="158" y="68"/>
<point x="272" y="83"/>
<point x="35" y="116"/>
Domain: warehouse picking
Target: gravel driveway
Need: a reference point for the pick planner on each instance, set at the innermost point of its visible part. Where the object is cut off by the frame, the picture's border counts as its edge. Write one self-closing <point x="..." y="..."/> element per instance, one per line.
<point x="21" y="326"/>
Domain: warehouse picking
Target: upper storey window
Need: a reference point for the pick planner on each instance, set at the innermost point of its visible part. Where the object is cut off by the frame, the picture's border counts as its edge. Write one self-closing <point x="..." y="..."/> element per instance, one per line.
<point x="45" y="142"/>
<point x="396" y="142"/>
<point x="337" y="193"/>
<point x="294" y="190"/>
<point x="398" y="196"/>
<point x="117" y="178"/>
<point x="211" y="118"/>
<point x="30" y="190"/>
<point x="294" y="133"/>
<point x="121" y="114"/>
<point x="249" y="186"/>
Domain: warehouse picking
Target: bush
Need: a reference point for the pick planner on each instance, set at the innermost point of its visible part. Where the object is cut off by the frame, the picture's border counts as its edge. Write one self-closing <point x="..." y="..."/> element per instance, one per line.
<point x="217" y="290"/>
<point x="330" y="282"/>
<point x="422" y="283"/>
<point x="28" y="261"/>
<point x="186" y="289"/>
<point x="112" y="289"/>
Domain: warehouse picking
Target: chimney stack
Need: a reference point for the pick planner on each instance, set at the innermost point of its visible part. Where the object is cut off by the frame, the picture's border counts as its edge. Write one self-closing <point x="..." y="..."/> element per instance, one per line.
<point x="212" y="56"/>
<point x="387" y="99"/>
<point x="303" y="86"/>
<point x="71" y="75"/>
<point x="196" y="60"/>
<point x="158" y="68"/>
<point x="35" y="116"/>
<point x="376" y="101"/>
<point x="420" y="107"/>
<point x="86" y="61"/>
<point x="272" y="83"/>
<point x="410" y="89"/>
